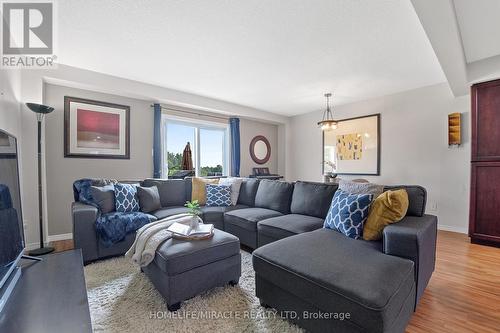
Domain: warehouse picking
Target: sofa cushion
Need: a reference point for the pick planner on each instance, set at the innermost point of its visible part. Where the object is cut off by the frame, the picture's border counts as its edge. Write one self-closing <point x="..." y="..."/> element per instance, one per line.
<point x="216" y="213"/>
<point x="177" y="256"/>
<point x="149" y="198"/>
<point x="126" y="198"/>
<point x="104" y="197"/>
<point x="417" y="198"/>
<point x="288" y="225"/>
<point x="169" y="211"/>
<point x="213" y="213"/>
<point x="275" y="195"/>
<point x="199" y="188"/>
<point x="312" y="199"/>
<point x="172" y="191"/>
<point x="359" y="279"/>
<point x="348" y="213"/>
<point x="248" y="189"/>
<point x="209" y="214"/>
<point x="247" y="218"/>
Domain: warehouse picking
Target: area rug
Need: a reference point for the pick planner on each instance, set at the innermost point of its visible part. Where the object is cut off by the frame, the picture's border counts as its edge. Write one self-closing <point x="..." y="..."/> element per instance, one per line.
<point x="122" y="299"/>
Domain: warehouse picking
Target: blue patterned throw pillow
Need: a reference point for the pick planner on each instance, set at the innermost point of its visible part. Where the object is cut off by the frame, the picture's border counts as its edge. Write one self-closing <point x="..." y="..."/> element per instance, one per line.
<point x="126" y="198"/>
<point x="218" y="195"/>
<point x="348" y="213"/>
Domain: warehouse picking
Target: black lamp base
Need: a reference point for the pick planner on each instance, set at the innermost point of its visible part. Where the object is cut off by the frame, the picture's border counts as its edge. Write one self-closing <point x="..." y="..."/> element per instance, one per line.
<point x="41" y="251"/>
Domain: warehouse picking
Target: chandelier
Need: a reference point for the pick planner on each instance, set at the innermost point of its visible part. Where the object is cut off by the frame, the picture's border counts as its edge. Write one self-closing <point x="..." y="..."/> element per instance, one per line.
<point x="328" y="123"/>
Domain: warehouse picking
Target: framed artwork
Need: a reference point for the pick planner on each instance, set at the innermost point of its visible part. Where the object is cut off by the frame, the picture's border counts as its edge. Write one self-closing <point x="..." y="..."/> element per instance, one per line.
<point x="353" y="148"/>
<point x="7" y="145"/>
<point x="94" y="129"/>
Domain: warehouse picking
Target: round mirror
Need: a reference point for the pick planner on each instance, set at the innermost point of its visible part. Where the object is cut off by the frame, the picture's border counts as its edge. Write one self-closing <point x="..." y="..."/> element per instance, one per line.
<point x="260" y="149"/>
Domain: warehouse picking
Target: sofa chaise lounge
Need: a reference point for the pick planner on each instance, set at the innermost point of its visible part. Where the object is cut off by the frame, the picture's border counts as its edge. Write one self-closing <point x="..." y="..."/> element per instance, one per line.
<point x="299" y="265"/>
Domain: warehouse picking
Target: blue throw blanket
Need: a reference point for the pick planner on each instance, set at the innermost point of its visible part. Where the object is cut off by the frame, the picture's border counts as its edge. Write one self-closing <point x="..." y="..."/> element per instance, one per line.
<point x="114" y="227"/>
<point x="111" y="227"/>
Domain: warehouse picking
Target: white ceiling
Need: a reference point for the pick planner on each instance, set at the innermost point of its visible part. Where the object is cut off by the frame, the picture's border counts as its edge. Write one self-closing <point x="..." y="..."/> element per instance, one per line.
<point x="479" y="24"/>
<point x="279" y="56"/>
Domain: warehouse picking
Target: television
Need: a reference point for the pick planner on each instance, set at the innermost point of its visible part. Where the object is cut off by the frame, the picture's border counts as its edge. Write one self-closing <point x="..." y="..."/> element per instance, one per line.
<point x="11" y="221"/>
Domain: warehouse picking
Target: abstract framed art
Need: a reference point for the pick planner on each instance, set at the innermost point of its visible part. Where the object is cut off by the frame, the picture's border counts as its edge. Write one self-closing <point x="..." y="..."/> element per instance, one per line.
<point x="94" y="129"/>
<point x="354" y="146"/>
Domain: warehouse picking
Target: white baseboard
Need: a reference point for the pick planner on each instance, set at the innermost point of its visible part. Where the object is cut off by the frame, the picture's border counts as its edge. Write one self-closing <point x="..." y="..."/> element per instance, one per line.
<point x="31" y="246"/>
<point x="462" y="230"/>
<point x="55" y="238"/>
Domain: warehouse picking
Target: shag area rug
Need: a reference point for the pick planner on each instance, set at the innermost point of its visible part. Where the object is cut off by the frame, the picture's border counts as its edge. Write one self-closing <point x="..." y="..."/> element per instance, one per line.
<point x="122" y="299"/>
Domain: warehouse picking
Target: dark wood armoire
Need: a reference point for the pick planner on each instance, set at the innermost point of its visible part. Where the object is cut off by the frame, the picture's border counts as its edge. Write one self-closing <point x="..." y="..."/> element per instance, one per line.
<point x="484" y="219"/>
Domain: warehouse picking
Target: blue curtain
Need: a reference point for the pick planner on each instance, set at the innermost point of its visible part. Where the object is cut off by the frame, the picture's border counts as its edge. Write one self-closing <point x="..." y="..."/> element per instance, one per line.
<point x="234" y="125"/>
<point x="157" y="141"/>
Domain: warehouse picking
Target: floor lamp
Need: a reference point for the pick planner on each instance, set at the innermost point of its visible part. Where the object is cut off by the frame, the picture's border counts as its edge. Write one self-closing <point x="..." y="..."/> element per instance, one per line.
<point x="41" y="111"/>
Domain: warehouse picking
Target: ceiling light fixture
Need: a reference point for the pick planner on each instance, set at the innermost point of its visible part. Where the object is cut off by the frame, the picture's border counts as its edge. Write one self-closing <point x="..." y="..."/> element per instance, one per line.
<point x="328" y="123"/>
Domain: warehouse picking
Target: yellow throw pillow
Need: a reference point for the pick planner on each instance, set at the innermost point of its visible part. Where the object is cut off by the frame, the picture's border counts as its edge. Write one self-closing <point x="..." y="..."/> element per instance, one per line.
<point x="389" y="207"/>
<point x="199" y="191"/>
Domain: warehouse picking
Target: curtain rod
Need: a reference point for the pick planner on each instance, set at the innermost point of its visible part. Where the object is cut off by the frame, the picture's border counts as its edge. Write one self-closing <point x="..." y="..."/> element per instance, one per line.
<point x="191" y="112"/>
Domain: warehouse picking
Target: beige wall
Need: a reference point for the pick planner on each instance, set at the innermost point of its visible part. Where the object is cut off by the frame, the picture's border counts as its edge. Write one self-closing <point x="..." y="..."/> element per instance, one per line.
<point x="414" y="148"/>
<point x="62" y="172"/>
<point x="250" y="129"/>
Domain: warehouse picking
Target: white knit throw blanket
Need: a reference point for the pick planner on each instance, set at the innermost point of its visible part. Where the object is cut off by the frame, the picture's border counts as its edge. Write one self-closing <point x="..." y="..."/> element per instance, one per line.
<point x="151" y="236"/>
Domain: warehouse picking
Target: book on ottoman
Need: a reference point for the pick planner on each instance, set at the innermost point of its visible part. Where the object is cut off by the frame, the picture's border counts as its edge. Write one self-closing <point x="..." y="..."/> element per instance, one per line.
<point x="187" y="231"/>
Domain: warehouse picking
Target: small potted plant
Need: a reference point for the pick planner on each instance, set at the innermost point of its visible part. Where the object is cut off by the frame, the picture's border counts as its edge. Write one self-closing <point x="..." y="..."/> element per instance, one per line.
<point x="195" y="211"/>
<point x="329" y="176"/>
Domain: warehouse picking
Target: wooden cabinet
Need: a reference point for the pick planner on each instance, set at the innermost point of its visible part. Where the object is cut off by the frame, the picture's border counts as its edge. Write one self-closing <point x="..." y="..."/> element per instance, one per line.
<point x="484" y="221"/>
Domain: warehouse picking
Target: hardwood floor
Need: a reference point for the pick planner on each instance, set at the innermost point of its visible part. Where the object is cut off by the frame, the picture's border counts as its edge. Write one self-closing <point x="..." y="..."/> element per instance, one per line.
<point x="463" y="294"/>
<point x="63" y="245"/>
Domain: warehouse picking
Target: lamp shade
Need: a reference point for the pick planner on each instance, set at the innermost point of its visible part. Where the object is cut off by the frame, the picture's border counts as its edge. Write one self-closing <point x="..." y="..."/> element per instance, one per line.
<point x="39" y="108"/>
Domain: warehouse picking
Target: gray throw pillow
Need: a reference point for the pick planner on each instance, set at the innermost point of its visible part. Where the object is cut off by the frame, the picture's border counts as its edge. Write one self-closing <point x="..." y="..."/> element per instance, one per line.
<point x="104" y="197"/>
<point x="361" y="188"/>
<point x="235" y="184"/>
<point x="149" y="198"/>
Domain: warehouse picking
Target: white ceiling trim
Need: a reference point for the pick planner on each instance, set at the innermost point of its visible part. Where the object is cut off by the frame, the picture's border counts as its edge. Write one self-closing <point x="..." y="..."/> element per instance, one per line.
<point x="84" y="79"/>
<point x="479" y="23"/>
<point x="440" y="24"/>
<point x="484" y="70"/>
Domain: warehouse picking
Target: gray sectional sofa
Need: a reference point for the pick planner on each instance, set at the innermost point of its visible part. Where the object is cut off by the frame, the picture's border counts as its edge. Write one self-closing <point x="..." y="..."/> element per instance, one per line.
<point x="300" y="266"/>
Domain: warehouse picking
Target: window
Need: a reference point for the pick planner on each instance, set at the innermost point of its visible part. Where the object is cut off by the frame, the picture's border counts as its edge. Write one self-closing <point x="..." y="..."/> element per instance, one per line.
<point x="178" y="135"/>
<point x="208" y="141"/>
<point x="212" y="151"/>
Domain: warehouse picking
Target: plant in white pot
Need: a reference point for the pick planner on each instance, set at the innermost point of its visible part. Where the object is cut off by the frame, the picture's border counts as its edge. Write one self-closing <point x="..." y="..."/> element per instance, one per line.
<point x="195" y="211"/>
<point x="329" y="176"/>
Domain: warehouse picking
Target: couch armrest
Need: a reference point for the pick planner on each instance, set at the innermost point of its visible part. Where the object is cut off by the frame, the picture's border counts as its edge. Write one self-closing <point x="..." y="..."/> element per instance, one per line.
<point x="414" y="238"/>
<point x="84" y="233"/>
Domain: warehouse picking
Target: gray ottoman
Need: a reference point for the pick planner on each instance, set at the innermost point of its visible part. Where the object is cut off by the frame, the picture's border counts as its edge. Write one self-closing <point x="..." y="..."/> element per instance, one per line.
<point x="183" y="269"/>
